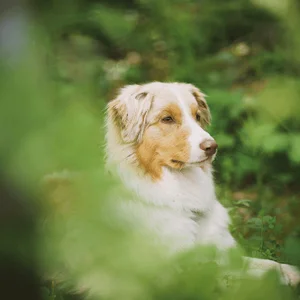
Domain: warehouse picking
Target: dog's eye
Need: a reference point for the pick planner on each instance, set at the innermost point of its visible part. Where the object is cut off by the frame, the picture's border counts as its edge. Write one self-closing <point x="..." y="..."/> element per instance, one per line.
<point x="167" y="120"/>
<point x="198" y="117"/>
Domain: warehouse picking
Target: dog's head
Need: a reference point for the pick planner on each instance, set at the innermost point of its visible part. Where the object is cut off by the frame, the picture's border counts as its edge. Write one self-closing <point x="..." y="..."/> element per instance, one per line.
<point x="165" y="124"/>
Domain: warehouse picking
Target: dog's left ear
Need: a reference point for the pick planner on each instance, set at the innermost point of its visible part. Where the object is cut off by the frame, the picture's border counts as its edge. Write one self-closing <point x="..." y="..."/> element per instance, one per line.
<point x="129" y="112"/>
<point x="204" y="109"/>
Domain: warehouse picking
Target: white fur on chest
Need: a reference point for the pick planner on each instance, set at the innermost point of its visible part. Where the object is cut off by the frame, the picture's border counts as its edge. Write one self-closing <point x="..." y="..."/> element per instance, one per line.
<point x="185" y="190"/>
<point x="181" y="208"/>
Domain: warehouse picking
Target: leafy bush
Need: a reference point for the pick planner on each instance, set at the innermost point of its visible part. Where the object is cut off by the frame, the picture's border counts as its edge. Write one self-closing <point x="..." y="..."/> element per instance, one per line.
<point x="241" y="53"/>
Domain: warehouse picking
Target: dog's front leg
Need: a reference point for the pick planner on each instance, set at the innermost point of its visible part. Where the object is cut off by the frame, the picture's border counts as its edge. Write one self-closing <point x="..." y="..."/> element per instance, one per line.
<point x="289" y="275"/>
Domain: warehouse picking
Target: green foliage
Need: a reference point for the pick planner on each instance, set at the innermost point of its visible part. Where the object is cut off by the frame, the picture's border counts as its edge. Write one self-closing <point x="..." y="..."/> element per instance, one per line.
<point x="241" y="53"/>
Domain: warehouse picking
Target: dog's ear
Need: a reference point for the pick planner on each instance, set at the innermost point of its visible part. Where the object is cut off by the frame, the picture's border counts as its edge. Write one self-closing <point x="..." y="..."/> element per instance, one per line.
<point x="204" y="109"/>
<point x="129" y="112"/>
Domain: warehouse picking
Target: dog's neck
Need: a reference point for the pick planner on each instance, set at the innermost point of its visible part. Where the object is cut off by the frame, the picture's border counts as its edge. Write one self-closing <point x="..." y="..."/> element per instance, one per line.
<point x="190" y="189"/>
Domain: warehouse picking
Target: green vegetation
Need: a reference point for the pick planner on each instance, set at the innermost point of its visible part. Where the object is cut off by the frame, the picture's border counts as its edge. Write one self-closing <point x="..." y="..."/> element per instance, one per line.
<point x="54" y="83"/>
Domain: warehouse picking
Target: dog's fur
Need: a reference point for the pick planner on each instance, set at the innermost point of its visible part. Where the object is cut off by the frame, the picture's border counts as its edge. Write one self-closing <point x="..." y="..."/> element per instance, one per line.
<point x="154" y="137"/>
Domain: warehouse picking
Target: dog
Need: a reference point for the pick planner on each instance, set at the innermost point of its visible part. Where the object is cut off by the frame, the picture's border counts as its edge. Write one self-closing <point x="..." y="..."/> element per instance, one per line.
<point x="157" y="145"/>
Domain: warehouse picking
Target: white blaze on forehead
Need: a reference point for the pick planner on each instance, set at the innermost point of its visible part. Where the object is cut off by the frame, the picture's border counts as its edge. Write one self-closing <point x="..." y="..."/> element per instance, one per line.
<point x="197" y="134"/>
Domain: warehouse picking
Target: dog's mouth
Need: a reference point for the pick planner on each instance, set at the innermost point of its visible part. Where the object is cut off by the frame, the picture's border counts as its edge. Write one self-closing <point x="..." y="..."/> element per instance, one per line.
<point x="194" y="163"/>
<point x="199" y="162"/>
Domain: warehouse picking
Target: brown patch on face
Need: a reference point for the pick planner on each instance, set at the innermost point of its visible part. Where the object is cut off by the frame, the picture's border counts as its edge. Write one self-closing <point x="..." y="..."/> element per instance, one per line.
<point x="199" y="115"/>
<point x="171" y="110"/>
<point x="164" y="144"/>
<point x="195" y="110"/>
<point x="202" y="107"/>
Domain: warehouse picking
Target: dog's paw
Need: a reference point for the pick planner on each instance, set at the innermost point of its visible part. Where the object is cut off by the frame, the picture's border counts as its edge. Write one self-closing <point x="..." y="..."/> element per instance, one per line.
<point x="291" y="274"/>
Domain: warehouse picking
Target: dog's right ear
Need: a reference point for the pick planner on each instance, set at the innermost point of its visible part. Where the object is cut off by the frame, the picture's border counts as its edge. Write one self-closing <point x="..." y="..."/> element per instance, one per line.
<point x="129" y="112"/>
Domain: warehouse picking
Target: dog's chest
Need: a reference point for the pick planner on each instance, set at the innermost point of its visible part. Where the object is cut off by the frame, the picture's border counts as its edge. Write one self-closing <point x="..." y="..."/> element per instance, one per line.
<point x="181" y="209"/>
<point x="181" y="230"/>
<point x="178" y="208"/>
<point x="189" y="190"/>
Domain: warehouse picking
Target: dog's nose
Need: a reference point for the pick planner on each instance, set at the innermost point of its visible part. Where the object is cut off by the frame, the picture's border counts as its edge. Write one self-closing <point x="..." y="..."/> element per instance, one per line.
<point x="209" y="146"/>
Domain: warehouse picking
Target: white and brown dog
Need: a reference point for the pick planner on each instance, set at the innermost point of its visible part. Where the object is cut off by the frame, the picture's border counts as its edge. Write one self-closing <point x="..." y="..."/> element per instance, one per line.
<point x="157" y="143"/>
